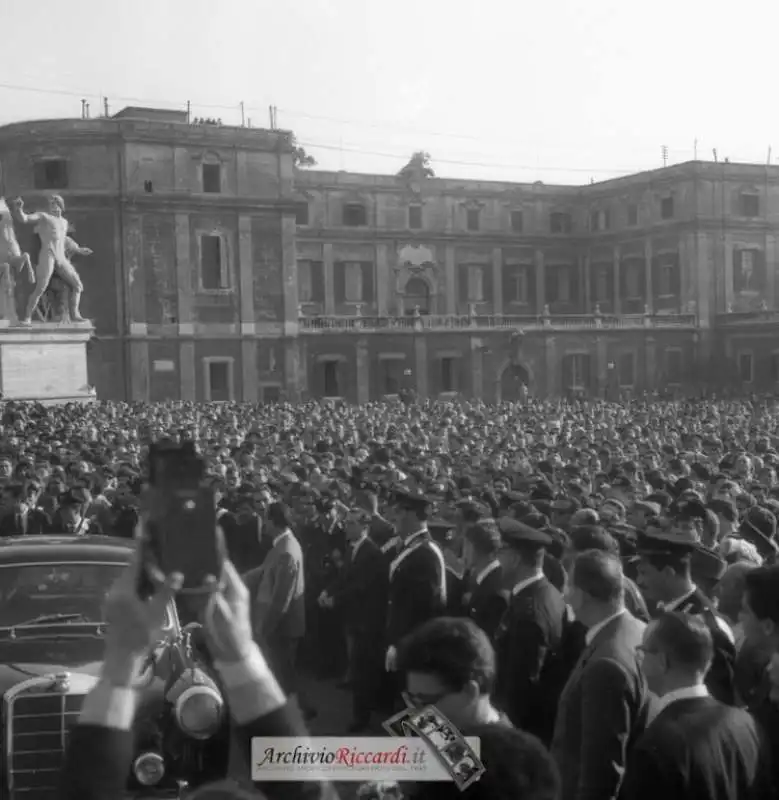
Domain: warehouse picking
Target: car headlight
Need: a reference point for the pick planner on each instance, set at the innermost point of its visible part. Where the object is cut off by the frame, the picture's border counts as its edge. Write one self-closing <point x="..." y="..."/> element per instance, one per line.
<point x="199" y="711"/>
<point x="149" y="769"/>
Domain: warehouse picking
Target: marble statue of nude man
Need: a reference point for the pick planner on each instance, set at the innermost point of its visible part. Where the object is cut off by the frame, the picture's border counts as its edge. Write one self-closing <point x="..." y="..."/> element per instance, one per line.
<point x="56" y="246"/>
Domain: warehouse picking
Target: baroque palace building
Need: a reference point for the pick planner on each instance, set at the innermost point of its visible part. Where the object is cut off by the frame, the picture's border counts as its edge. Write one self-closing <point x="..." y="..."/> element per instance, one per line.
<point x="221" y="272"/>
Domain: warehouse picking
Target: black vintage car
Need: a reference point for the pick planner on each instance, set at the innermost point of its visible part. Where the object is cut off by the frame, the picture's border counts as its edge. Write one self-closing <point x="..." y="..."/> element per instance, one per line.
<point x="52" y="590"/>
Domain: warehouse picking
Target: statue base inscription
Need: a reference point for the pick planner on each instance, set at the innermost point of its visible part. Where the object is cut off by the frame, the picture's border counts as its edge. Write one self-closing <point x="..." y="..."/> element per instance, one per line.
<point x="45" y="363"/>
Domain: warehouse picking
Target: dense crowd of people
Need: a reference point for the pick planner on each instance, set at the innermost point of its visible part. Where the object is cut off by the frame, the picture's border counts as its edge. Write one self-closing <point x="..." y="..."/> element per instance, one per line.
<point x="589" y="587"/>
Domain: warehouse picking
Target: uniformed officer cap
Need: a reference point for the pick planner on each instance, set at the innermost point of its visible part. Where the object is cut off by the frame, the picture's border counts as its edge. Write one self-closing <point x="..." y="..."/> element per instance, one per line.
<point x="517" y="534"/>
<point x="410" y="499"/>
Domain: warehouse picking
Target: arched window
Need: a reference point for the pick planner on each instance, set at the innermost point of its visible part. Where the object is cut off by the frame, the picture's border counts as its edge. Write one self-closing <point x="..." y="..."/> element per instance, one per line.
<point x="417" y="294"/>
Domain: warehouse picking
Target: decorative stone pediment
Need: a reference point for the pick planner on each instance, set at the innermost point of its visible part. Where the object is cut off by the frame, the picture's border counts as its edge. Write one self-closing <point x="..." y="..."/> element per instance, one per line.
<point x="416" y="261"/>
<point x="472" y="204"/>
<point x="353" y="196"/>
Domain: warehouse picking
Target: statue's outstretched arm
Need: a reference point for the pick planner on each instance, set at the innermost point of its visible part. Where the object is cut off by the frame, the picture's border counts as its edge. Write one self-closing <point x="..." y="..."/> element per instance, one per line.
<point x="73" y="248"/>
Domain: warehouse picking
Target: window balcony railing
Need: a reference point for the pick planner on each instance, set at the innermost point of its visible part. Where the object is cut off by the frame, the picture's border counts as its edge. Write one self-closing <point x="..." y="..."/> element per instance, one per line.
<point x="739" y="318"/>
<point x="481" y="323"/>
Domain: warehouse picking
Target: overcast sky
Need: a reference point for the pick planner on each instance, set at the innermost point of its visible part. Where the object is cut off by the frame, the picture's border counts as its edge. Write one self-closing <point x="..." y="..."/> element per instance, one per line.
<point x="561" y="91"/>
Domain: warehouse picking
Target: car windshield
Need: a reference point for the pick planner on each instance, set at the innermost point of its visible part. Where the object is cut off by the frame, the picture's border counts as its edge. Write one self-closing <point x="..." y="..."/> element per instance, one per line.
<point x="64" y="593"/>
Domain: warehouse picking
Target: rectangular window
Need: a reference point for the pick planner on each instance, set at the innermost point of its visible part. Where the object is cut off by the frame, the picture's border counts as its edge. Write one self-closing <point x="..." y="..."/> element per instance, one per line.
<point x="602" y="284"/>
<point x="213" y="274"/>
<point x="448" y="372"/>
<point x="219" y="380"/>
<point x="627" y="369"/>
<point x="331" y="379"/>
<point x="517" y="222"/>
<point x="148" y="187"/>
<point x="745" y="365"/>
<point x="560" y="222"/>
<point x="475" y="285"/>
<point x="391" y="375"/>
<point x="212" y="178"/>
<point x="673" y="365"/>
<point x="579" y="371"/>
<point x="301" y="214"/>
<point x="51" y="173"/>
<point x="750" y="204"/>
<point x="355" y="215"/>
<point x="632" y="214"/>
<point x="667" y="208"/>
<point x="563" y="285"/>
<point x="353" y="282"/>
<point x="632" y="281"/>
<point x="473" y="215"/>
<point x="305" y="283"/>
<point x="516" y="288"/>
<point x="415" y="217"/>
<point x="775" y="367"/>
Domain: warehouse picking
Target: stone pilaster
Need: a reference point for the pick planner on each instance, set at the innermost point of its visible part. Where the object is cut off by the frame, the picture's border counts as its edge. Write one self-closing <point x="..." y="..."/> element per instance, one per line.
<point x="185" y="280"/>
<point x="188" y="371"/>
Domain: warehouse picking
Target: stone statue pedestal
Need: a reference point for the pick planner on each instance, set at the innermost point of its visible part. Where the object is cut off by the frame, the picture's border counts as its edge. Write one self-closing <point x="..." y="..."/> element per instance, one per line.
<point x="46" y="362"/>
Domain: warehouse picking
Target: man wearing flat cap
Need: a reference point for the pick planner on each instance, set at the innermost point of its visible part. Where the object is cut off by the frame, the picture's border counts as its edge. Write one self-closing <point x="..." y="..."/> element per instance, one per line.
<point x="417" y="575"/>
<point x="531" y="671"/>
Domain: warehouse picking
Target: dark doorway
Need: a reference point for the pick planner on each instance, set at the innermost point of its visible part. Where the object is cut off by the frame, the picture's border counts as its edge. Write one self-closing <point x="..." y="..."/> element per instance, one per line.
<point x="417" y="294"/>
<point x="514" y="383"/>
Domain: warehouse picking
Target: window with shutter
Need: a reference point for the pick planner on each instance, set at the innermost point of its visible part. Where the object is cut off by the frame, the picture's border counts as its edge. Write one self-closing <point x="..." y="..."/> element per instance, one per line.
<point x="560" y="222"/>
<point x="305" y="287"/>
<point x="473" y="218"/>
<point x="517" y="286"/>
<point x="667" y="208"/>
<point x="775" y="367"/>
<point x="632" y="214"/>
<point x="744" y="277"/>
<point x="475" y="285"/>
<point x="353" y="282"/>
<point x="415" y="217"/>
<point x="517" y="221"/>
<point x="213" y="272"/>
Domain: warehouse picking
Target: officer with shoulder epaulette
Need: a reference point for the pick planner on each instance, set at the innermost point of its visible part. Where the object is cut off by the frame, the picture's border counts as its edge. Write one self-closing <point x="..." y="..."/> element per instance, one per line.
<point x="486" y="601"/>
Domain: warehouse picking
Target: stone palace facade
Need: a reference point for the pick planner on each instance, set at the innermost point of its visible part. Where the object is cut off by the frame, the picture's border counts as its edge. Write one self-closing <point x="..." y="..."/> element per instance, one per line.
<point x="221" y="272"/>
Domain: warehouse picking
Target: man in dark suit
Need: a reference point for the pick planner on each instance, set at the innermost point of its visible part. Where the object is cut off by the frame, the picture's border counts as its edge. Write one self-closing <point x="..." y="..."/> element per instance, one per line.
<point x="417" y="575"/>
<point x="695" y="746"/>
<point x="360" y="597"/>
<point x="21" y="519"/>
<point x="604" y="704"/>
<point x="529" y="640"/>
<point x="486" y="600"/>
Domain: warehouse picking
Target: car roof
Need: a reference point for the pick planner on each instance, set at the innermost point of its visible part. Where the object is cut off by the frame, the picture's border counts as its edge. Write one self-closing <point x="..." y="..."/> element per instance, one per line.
<point x="64" y="548"/>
